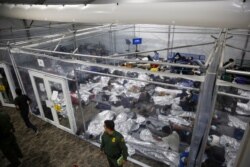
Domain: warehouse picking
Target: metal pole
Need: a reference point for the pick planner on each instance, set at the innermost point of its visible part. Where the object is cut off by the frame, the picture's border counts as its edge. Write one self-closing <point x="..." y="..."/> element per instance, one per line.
<point x="205" y="107"/>
<point x="235" y="47"/>
<point x="152" y="82"/>
<point x="129" y="60"/>
<point x="210" y="55"/>
<point x="69" y="35"/>
<point x="170" y="75"/>
<point x="238" y="72"/>
<point x="176" y="32"/>
<point x="169" y="35"/>
<point x="229" y="84"/>
<point x="16" y="71"/>
<point x="74" y="35"/>
<point x="172" y="44"/>
<point x="59" y="43"/>
<point x="244" y="51"/>
<point x="232" y="95"/>
<point x="111" y="48"/>
<point x="75" y="51"/>
<point x="80" y="99"/>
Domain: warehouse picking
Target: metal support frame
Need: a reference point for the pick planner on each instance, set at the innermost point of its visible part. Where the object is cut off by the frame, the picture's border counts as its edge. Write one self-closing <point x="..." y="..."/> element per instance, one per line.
<point x="16" y="71"/>
<point x="242" y="159"/>
<point x="232" y="95"/>
<point x="111" y="47"/>
<point x="152" y="82"/>
<point x="75" y="51"/>
<point x="59" y="43"/>
<point x="177" y="32"/>
<point x="172" y="42"/>
<point x="74" y="36"/>
<point x="205" y="109"/>
<point x="244" y="51"/>
<point x="229" y="84"/>
<point x="79" y="99"/>
<point x="126" y="54"/>
<point x="170" y="75"/>
<point x="246" y="73"/>
<point x="69" y="35"/>
<point x="168" y="44"/>
<point x="235" y="47"/>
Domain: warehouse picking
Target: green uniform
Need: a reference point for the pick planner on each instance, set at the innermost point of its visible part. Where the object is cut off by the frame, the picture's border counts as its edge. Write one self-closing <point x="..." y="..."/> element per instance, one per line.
<point x="114" y="147"/>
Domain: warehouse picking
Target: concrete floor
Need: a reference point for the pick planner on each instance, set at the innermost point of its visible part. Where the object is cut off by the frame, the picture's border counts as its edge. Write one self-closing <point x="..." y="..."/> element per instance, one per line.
<point x="56" y="148"/>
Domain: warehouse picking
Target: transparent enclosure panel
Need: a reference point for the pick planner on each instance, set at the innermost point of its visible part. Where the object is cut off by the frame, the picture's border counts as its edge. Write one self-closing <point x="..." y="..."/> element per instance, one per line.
<point x="29" y="90"/>
<point x="142" y="111"/>
<point x="43" y="97"/>
<point x="229" y="122"/>
<point x="59" y="103"/>
<point x="5" y="88"/>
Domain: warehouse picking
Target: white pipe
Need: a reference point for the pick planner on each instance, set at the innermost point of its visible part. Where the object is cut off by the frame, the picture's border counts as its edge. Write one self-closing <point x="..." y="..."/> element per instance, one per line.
<point x="238" y="72"/>
<point x="232" y="95"/>
<point x="230" y="14"/>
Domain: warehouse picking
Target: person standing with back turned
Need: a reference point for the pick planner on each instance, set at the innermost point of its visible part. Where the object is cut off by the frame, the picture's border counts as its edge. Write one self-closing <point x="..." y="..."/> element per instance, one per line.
<point x="113" y="145"/>
<point x="22" y="103"/>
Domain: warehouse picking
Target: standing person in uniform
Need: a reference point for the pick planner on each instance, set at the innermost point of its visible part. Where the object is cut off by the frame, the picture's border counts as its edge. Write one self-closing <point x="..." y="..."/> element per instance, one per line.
<point x="8" y="143"/>
<point x="113" y="145"/>
<point x="22" y="103"/>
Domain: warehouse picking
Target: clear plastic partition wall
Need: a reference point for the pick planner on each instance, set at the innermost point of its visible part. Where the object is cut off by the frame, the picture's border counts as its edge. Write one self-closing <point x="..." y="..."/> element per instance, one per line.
<point x="144" y="105"/>
<point x="232" y="108"/>
<point x="229" y="122"/>
<point x="146" y="108"/>
<point x="110" y="78"/>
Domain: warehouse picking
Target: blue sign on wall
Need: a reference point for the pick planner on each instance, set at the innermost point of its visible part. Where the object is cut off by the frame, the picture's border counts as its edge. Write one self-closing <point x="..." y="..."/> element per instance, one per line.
<point x="137" y="41"/>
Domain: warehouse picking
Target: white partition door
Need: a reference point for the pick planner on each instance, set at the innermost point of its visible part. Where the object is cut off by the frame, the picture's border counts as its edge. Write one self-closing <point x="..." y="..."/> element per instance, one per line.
<point x="7" y="88"/>
<point x="53" y="100"/>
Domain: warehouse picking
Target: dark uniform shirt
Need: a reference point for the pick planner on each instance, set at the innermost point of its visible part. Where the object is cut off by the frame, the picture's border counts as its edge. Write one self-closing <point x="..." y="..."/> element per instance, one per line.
<point x="22" y="103"/>
<point x="5" y="126"/>
<point x="114" y="145"/>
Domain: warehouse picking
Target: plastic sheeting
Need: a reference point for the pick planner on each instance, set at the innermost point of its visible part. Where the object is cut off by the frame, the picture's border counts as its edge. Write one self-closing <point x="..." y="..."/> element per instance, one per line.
<point x="95" y="127"/>
<point x="174" y="119"/>
<point x="126" y="123"/>
<point x="167" y="91"/>
<point x="236" y="122"/>
<point x="231" y="145"/>
<point x="243" y="108"/>
<point x="162" y="100"/>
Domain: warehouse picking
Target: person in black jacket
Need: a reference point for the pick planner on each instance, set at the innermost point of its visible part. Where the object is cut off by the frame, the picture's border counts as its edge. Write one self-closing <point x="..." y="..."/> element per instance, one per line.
<point x="22" y="103"/>
<point x="8" y="144"/>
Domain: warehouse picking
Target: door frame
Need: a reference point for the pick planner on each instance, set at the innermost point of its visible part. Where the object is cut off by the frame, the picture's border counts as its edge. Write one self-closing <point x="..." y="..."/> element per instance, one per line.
<point x="47" y="77"/>
<point x="11" y="85"/>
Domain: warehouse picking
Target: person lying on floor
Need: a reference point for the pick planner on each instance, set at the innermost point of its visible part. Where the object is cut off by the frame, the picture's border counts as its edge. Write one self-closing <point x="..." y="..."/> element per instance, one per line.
<point x="184" y="133"/>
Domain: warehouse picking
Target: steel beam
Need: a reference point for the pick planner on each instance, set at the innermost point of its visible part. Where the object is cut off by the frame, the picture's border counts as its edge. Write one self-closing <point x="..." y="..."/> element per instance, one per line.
<point x="16" y="71"/>
<point x="205" y="109"/>
<point x="244" y="51"/>
<point x="246" y="73"/>
<point x="232" y="95"/>
<point x="235" y="47"/>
